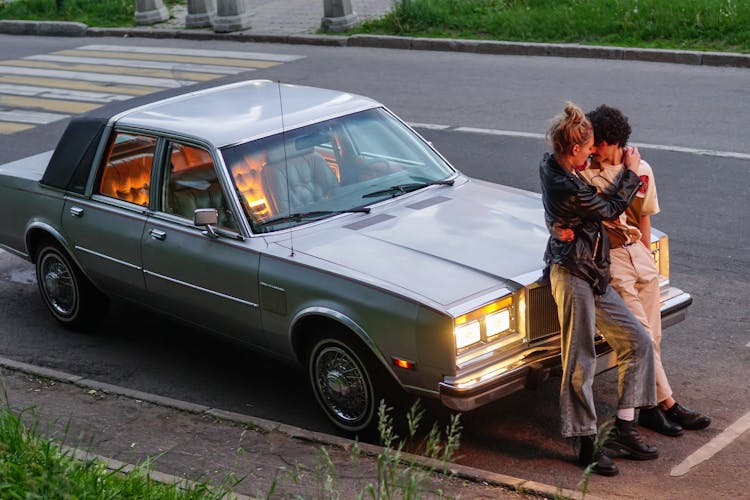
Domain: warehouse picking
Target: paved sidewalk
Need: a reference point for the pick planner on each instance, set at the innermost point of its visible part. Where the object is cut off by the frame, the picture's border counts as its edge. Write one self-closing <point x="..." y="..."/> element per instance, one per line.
<point x="186" y="441"/>
<point x="297" y="21"/>
<point x="287" y="17"/>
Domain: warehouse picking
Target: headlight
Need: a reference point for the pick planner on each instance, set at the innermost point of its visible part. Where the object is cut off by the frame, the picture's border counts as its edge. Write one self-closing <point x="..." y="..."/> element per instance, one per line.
<point x="497" y="322"/>
<point x="467" y="334"/>
<point x="660" y="251"/>
<point x="485" y="323"/>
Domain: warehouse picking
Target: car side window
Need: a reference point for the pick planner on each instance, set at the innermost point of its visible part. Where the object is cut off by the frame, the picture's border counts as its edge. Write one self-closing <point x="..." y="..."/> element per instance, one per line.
<point x="191" y="182"/>
<point x="127" y="169"/>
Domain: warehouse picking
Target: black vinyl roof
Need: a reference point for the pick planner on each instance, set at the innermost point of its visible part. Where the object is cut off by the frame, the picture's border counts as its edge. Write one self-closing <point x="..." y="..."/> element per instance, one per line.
<point x="70" y="164"/>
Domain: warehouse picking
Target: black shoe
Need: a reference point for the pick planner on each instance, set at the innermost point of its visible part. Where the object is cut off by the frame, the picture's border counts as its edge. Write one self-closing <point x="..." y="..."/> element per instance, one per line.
<point x="687" y="418"/>
<point x="626" y="442"/>
<point x="654" y="419"/>
<point x="590" y="453"/>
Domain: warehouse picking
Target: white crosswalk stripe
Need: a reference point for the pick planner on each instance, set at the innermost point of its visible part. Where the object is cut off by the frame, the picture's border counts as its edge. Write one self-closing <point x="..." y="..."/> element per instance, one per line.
<point x="53" y="93"/>
<point x="44" y="88"/>
<point x="96" y="77"/>
<point x="196" y="52"/>
<point x="201" y="68"/>
<point x="36" y="117"/>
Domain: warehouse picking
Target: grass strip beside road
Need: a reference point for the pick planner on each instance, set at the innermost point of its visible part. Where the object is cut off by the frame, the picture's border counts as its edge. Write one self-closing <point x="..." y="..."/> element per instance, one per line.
<point x="32" y="466"/>
<point x="712" y="25"/>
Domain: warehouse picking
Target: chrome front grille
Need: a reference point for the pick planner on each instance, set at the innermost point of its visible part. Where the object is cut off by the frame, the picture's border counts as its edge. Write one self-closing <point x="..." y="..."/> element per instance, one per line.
<point x="541" y="312"/>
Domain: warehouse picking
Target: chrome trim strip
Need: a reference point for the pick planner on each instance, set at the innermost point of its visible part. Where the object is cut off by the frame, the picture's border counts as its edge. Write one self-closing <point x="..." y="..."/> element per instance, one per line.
<point x="487" y="350"/>
<point x="274" y="287"/>
<point x="674" y="298"/>
<point x="200" y="288"/>
<point x="107" y="257"/>
<point x="481" y="299"/>
<point x="489" y="374"/>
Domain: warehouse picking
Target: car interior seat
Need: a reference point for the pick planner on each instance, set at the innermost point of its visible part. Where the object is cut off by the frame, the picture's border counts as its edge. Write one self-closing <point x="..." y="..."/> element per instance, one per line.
<point x="299" y="180"/>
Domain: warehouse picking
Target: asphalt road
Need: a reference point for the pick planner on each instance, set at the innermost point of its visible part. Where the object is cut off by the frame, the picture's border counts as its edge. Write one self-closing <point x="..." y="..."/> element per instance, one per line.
<point x="703" y="198"/>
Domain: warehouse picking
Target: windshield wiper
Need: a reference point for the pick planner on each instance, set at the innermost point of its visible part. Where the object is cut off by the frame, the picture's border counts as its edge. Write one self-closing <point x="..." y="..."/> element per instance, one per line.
<point x="408" y="188"/>
<point x="302" y="216"/>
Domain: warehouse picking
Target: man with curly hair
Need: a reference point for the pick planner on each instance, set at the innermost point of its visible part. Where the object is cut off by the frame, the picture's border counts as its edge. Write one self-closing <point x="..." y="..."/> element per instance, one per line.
<point x="634" y="273"/>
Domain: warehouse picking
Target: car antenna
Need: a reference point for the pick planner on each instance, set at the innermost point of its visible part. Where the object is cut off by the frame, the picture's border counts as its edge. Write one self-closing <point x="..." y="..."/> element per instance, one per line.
<point x="286" y="167"/>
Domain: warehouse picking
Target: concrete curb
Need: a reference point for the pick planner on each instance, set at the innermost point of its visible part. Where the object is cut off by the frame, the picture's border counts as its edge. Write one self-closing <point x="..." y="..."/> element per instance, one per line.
<point x="729" y="59"/>
<point x="468" y="473"/>
<point x="51" y="28"/>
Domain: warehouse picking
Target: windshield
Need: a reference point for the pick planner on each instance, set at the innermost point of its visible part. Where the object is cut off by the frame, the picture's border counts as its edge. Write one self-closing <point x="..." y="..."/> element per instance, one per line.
<point x="330" y="167"/>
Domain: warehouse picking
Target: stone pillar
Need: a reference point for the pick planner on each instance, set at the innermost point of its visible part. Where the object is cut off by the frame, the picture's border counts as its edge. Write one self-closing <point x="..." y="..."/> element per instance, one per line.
<point x="231" y="15"/>
<point x="199" y="13"/>
<point x="150" y="11"/>
<point x="338" y="16"/>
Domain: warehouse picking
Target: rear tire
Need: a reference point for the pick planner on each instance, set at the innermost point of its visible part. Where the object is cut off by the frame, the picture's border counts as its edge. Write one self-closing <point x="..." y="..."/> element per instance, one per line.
<point x="68" y="294"/>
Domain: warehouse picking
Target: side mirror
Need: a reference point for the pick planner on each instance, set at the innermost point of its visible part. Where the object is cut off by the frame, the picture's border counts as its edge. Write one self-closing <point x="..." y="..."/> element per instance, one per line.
<point x="208" y="217"/>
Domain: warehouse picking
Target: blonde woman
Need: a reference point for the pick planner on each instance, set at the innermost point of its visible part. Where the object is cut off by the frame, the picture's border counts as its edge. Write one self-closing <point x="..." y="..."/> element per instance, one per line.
<point x="579" y="274"/>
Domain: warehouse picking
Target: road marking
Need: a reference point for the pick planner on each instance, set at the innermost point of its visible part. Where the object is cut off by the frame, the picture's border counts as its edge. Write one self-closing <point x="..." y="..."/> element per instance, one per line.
<point x="193" y="52"/>
<point x="67" y="79"/>
<point x="35" y="117"/>
<point x="532" y="135"/>
<point x="215" y="60"/>
<point x="748" y="344"/>
<point x="128" y="63"/>
<point x="93" y="77"/>
<point x="12" y="128"/>
<point x="77" y="85"/>
<point x="98" y="68"/>
<point x="430" y="126"/>
<point x="47" y="104"/>
<point x="53" y="93"/>
<point x="714" y="446"/>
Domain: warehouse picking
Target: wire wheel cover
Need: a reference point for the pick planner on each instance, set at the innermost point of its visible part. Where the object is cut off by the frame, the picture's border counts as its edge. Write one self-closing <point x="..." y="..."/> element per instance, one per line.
<point x="58" y="284"/>
<point x="343" y="386"/>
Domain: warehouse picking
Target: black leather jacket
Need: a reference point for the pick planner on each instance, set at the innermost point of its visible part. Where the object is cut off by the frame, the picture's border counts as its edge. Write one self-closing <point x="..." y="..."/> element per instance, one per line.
<point x="572" y="202"/>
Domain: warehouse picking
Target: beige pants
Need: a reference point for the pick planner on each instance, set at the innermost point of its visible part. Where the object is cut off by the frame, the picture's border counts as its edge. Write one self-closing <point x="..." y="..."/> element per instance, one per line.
<point x="636" y="279"/>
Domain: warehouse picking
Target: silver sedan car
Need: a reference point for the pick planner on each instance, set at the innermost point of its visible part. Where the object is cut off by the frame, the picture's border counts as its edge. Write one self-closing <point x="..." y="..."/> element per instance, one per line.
<point x="312" y="225"/>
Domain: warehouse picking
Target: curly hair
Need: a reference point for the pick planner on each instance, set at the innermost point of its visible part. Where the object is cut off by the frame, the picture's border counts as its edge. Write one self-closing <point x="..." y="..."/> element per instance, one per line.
<point x="569" y="128"/>
<point x="609" y="125"/>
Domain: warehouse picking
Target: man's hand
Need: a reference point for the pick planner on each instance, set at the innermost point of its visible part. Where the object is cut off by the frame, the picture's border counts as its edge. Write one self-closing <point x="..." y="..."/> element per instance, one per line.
<point x="564" y="234"/>
<point x="631" y="158"/>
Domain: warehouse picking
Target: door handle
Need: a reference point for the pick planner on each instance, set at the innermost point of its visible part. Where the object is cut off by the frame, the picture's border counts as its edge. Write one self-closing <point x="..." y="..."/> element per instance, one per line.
<point x="76" y="211"/>
<point x="157" y="234"/>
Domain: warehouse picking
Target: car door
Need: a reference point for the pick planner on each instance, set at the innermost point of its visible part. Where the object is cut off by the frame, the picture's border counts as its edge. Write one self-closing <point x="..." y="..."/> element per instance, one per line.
<point x="211" y="281"/>
<point x="106" y="228"/>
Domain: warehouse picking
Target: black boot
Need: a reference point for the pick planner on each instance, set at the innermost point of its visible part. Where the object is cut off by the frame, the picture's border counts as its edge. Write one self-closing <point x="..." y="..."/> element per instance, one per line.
<point x="590" y="453"/>
<point x="687" y="418"/>
<point x="654" y="419"/>
<point x="626" y="442"/>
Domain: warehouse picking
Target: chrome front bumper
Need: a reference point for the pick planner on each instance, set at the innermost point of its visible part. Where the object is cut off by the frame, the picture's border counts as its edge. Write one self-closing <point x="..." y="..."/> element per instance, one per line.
<point x="477" y="387"/>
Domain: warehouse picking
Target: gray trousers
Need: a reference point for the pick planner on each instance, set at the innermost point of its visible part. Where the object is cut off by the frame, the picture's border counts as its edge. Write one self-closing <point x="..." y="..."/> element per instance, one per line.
<point x="581" y="312"/>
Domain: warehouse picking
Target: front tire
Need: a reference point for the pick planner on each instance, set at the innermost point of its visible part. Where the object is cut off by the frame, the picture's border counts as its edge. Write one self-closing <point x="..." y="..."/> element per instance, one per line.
<point x="343" y="382"/>
<point x="69" y="296"/>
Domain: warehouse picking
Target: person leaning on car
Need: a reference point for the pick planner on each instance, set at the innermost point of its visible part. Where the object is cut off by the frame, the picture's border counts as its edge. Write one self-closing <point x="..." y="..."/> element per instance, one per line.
<point x="634" y="273"/>
<point x="579" y="275"/>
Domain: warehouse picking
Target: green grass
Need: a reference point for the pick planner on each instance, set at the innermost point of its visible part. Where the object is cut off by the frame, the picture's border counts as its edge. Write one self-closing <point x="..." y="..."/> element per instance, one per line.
<point x="716" y="25"/>
<point x="99" y="13"/>
<point x="720" y="25"/>
<point x="34" y="467"/>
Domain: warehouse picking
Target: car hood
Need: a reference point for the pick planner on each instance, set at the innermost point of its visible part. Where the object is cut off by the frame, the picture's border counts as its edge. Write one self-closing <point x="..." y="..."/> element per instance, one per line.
<point x="445" y="244"/>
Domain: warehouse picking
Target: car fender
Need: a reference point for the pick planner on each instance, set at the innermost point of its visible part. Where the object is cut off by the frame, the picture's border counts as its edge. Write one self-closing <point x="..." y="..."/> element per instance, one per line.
<point x="347" y="322"/>
<point x="42" y="226"/>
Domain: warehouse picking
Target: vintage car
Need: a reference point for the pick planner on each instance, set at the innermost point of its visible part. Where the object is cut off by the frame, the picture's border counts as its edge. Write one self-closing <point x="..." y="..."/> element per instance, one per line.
<point x="312" y="225"/>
